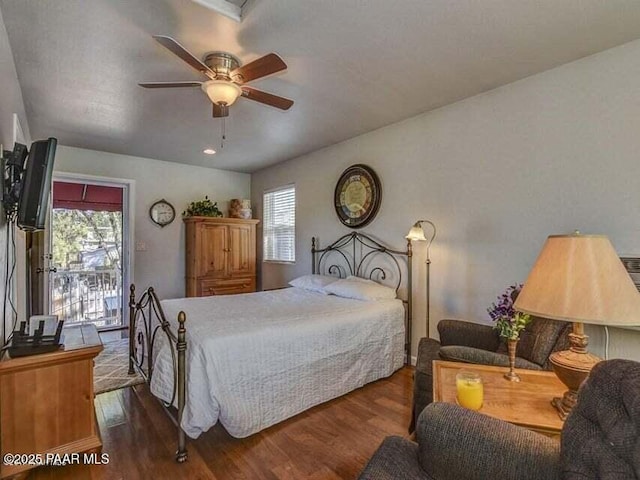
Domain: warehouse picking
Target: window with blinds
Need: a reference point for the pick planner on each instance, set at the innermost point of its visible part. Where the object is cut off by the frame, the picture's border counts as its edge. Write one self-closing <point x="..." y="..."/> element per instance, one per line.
<point x="279" y="225"/>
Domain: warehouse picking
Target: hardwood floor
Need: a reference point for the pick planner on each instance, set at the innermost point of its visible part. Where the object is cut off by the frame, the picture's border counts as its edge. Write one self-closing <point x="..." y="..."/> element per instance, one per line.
<point x="331" y="441"/>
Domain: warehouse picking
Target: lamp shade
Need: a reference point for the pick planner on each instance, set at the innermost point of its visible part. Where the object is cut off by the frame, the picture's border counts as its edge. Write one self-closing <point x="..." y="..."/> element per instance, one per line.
<point x="416" y="234"/>
<point x="580" y="278"/>
<point x="222" y="92"/>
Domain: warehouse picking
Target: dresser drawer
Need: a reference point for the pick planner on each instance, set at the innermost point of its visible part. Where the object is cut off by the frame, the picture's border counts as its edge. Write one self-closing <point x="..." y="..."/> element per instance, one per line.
<point x="227" y="286"/>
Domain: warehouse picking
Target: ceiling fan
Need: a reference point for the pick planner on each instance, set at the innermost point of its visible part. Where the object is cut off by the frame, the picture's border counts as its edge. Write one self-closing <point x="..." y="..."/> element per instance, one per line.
<point x="227" y="78"/>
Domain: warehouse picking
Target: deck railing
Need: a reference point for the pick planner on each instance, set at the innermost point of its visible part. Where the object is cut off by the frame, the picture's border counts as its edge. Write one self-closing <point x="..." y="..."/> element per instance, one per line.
<point x="81" y="296"/>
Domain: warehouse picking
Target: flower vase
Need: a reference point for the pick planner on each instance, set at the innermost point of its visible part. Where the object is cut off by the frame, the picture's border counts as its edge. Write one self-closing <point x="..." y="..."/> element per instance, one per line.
<point x="511" y="375"/>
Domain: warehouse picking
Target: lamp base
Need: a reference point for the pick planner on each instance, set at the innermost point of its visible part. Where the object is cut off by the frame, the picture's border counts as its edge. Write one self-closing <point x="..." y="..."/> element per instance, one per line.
<point x="572" y="368"/>
<point x="565" y="404"/>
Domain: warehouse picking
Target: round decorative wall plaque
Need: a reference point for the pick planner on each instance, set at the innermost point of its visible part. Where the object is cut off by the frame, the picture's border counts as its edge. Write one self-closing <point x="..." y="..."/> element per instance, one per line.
<point x="357" y="196"/>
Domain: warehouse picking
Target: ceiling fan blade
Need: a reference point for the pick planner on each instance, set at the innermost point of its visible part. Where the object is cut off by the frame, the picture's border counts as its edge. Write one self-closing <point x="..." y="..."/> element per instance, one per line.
<point x="266" y="98"/>
<point x="220" y="111"/>
<point x="177" y="49"/>
<point x="259" y="68"/>
<point x="169" y="84"/>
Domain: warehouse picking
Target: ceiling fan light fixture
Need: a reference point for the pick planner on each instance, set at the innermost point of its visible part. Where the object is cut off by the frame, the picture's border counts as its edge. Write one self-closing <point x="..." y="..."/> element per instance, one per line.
<point x="222" y="92"/>
<point x="209" y="151"/>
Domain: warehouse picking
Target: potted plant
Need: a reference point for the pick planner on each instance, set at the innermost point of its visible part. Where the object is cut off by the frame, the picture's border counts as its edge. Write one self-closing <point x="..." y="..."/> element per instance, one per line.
<point x="202" y="208"/>
<point x="509" y="323"/>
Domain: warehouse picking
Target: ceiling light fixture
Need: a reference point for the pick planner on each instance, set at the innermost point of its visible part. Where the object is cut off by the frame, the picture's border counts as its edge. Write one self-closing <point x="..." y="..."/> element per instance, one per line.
<point x="209" y="151"/>
<point x="229" y="8"/>
<point x="222" y="92"/>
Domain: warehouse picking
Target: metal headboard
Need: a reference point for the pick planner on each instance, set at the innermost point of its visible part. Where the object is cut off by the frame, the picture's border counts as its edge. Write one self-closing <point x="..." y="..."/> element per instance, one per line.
<point x="362" y="256"/>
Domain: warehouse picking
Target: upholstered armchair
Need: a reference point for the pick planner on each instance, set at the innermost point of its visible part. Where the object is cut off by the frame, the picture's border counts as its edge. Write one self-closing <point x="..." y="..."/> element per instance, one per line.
<point x="600" y="439"/>
<point x="475" y="343"/>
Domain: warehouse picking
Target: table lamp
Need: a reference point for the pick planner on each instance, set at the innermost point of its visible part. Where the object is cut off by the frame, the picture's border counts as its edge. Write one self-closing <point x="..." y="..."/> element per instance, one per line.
<point x="416" y="234"/>
<point x="580" y="279"/>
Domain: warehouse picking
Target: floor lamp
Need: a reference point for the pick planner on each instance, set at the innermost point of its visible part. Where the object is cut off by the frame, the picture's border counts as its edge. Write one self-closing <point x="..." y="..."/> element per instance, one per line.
<point x="417" y="234"/>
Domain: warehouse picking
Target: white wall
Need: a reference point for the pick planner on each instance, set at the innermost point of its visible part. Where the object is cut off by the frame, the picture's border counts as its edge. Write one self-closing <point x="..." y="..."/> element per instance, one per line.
<point x="10" y="103"/>
<point x="10" y="93"/>
<point x="497" y="173"/>
<point x="162" y="264"/>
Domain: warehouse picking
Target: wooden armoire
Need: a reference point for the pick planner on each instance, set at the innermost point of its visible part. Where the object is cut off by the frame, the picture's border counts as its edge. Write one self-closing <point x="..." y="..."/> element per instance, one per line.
<point x="221" y="256"/>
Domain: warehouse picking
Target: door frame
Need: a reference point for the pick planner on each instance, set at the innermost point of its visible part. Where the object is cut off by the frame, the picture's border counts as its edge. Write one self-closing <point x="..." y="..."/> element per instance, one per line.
<point x="128" y="228"/>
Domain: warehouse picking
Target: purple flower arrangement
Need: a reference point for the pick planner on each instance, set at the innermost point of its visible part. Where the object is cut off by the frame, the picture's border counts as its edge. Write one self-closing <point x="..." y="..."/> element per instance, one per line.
<point x="507" y="320"/>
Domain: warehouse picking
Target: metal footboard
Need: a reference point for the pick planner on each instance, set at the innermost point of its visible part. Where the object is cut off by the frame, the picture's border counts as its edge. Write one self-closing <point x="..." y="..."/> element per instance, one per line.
<point x="146" y="320"/>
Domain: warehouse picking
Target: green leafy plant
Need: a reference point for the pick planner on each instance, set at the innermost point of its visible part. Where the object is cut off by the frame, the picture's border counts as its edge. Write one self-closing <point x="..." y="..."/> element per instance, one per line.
<point x="202" y="208"/>
<point x="509" y="322"/>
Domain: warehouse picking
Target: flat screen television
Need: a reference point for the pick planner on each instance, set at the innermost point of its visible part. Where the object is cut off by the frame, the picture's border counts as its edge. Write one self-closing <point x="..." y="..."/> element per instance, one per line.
<point x="36" y="185"/>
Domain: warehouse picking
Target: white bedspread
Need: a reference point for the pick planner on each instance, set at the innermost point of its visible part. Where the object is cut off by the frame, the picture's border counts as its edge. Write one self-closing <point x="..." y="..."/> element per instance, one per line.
<point x="256" y="359"/>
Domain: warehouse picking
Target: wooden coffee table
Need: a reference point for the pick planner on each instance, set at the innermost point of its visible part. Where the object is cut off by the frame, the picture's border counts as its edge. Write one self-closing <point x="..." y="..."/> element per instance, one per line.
<point x="526" y="403"/>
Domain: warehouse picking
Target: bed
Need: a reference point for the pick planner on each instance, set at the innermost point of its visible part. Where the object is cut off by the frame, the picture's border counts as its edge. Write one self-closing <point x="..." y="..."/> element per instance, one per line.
<point x="252" y="360"/>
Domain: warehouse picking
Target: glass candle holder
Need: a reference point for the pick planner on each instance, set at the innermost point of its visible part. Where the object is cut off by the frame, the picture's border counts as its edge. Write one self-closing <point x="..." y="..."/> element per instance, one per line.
<point x="469" y="389"/>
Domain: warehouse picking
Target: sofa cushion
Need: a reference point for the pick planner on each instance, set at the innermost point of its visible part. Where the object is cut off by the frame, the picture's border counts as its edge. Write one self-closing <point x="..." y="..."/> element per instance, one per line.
<point x="469" y="334"/>
<point x="455" y="353"/>
<point x="538" y="339"/>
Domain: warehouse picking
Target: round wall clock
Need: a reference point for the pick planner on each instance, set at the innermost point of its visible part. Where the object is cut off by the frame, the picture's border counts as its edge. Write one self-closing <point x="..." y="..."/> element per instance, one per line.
<point x="357" y="196"/>
<point x="162" y="213"/>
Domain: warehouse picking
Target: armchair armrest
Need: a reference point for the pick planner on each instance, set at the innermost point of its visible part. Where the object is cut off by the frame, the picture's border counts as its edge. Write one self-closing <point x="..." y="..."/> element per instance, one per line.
<point x="454" y="442"/>
<point x="396" y="458"/>
<point x="468" y="334"/>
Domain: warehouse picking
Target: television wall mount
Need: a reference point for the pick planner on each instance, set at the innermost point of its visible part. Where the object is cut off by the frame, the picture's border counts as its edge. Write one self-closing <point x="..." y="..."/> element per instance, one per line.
<point x="12" y="167"/>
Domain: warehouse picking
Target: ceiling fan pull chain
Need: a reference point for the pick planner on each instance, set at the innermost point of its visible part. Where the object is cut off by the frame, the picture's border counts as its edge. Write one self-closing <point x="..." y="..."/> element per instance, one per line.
<point x="223" y="133"/>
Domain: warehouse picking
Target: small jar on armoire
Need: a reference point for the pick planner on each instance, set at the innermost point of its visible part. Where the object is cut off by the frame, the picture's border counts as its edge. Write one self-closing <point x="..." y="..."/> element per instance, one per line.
<point x="220" y="256"/>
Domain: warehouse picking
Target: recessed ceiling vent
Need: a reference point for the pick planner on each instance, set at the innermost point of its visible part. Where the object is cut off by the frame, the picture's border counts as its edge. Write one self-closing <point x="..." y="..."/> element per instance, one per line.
<point x="234" y="9"/>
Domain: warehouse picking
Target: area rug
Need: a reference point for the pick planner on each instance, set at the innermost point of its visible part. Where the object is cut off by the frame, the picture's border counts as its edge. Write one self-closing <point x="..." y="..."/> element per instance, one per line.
<point x="111" y="367"/>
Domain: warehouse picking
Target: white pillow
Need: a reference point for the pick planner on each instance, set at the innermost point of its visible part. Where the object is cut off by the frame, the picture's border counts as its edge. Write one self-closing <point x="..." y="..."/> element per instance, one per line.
<point x="313" y="282"/>
<point x="360" y="289"/>
<point x="358" y="279"/>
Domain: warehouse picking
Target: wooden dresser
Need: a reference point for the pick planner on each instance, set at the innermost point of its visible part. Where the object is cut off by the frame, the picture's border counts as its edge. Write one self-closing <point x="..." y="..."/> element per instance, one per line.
<point x="220" y="255"/>
<point x="46" y="401"/>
